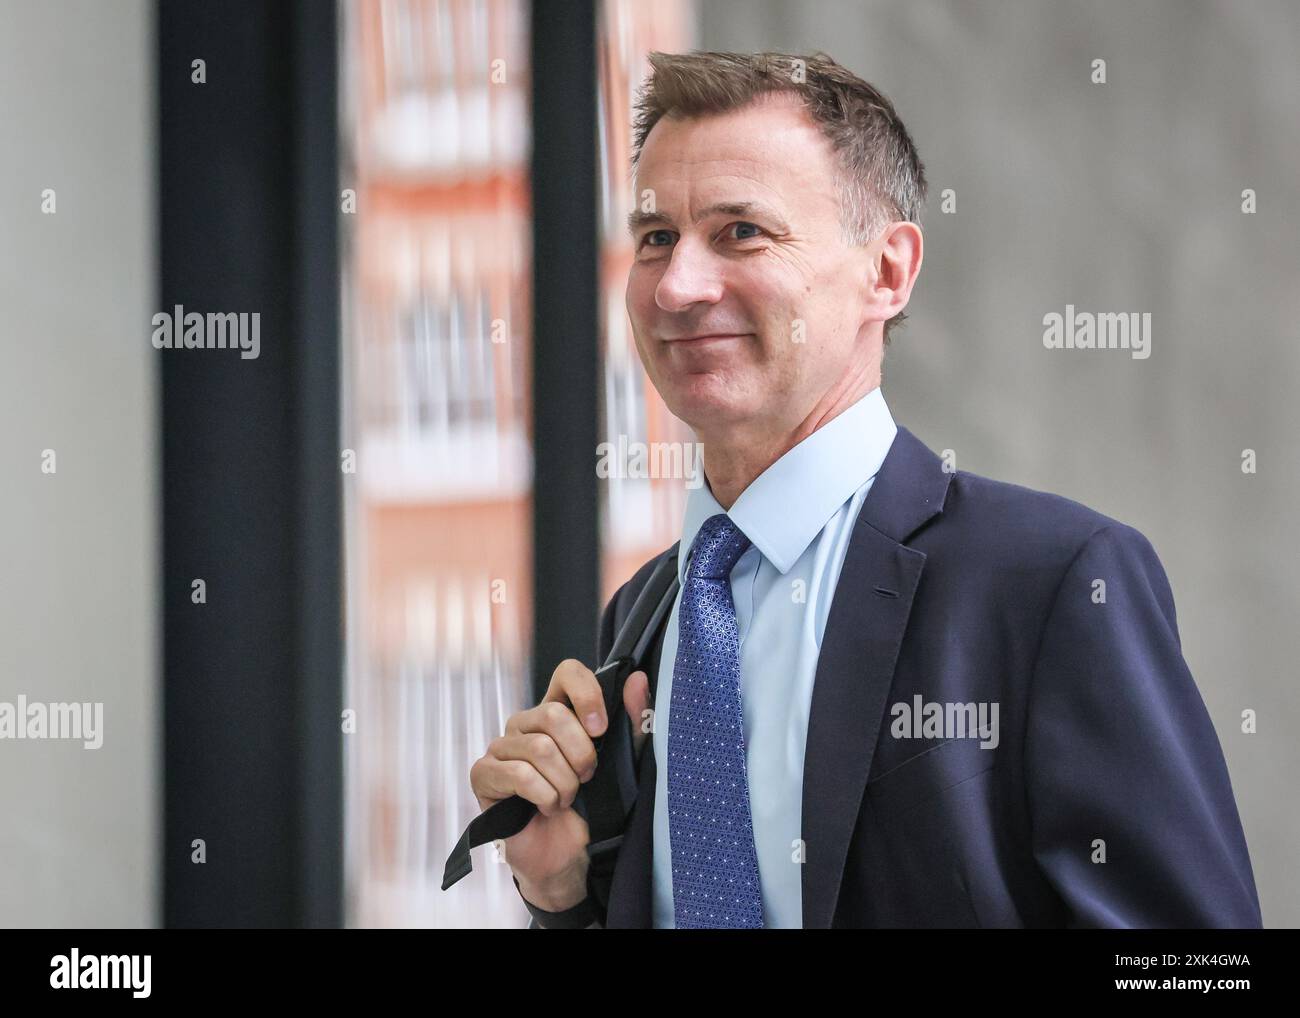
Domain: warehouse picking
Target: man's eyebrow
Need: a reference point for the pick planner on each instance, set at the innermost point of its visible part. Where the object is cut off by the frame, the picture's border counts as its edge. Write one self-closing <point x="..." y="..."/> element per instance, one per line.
<point x="638" y="219"/>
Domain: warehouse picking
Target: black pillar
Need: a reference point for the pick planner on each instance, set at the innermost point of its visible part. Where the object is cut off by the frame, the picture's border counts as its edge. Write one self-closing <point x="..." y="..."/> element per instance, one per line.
<point x="249" y="206"/>
<point x="566" y="547"/>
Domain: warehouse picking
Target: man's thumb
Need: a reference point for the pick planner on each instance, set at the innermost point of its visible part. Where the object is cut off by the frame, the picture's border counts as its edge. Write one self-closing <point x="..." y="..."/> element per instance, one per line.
<point x="636" y="701"/>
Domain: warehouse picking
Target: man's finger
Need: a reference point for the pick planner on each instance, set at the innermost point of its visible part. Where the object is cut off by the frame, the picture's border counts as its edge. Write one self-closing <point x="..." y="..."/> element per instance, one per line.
<point x="574" y="682"/>
<point x="556" y="720"/>
<point x="636" y="701"/>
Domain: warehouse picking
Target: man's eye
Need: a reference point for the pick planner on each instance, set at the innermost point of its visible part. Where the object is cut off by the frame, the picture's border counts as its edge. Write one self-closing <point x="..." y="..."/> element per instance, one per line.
<point x="655" y="233"/>
<point x="745" y="226"/>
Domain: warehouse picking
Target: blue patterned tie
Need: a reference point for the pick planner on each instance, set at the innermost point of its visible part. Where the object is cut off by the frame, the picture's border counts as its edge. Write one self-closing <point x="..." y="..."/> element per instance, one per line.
<point x="715" y="865"/>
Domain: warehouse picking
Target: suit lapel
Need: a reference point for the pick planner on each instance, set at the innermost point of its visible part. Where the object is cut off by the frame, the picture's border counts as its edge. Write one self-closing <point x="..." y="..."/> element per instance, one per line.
<point x="855" y="668"/>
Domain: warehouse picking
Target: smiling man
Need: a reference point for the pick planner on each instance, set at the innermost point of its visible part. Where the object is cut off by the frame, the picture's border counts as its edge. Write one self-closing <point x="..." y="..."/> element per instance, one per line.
<point x="833" y="573"/>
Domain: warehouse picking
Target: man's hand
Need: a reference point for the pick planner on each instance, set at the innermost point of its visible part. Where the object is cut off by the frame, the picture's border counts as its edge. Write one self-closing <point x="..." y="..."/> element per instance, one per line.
<point x="544" y="756"/>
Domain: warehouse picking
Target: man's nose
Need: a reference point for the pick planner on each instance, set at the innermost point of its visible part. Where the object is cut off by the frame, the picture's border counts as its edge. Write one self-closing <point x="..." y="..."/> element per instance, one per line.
<point x="693" y="276"/>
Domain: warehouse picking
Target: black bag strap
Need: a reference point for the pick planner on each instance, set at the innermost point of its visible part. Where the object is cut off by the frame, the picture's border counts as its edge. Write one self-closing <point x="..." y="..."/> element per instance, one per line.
<point x="606" y="800"/>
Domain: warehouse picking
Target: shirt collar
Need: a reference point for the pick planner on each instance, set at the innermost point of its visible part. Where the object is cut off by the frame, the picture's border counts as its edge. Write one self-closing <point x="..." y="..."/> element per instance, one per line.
<point x="789" y="503"/>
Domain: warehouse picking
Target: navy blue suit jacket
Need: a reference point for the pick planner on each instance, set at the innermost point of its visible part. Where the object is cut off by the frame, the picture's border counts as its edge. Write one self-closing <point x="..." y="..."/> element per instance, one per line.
<point x="961" y="589"/>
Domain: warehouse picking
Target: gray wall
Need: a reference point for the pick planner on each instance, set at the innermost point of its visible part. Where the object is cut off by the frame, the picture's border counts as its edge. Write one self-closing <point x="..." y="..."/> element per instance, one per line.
<point x="78" y="827"/>
<point x="1117" y="197"/>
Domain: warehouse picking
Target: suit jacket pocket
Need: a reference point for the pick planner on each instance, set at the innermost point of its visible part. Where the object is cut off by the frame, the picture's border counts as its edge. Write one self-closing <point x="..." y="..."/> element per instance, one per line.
<point x="928" y="773"/>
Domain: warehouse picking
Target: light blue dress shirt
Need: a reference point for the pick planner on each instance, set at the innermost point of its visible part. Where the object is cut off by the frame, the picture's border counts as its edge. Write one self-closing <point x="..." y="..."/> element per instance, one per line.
<point x="799" y="514"/>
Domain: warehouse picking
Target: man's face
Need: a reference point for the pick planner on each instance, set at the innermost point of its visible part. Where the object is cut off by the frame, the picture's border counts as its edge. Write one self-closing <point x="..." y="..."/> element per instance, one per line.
<point x="770" y="274"/>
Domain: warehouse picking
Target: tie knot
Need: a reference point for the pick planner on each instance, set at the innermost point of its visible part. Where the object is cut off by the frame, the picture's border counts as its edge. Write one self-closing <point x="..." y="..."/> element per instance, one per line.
<point x="717" y="548"/>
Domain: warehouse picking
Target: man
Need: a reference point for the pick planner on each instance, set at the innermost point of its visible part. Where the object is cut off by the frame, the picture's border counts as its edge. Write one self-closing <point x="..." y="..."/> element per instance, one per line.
<point x="888" y="694"/>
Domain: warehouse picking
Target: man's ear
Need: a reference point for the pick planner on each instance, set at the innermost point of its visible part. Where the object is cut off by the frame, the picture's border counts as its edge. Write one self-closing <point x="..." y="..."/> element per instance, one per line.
<point x="897" y="263"/>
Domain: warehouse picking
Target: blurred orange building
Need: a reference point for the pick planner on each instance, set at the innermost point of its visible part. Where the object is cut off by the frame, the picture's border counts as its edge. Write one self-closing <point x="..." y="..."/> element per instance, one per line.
<point x="437" y="407"/>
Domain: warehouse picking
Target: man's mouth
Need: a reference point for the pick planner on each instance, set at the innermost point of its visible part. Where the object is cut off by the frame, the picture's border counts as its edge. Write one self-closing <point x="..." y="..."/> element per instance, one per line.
<point x="711" y="337"/>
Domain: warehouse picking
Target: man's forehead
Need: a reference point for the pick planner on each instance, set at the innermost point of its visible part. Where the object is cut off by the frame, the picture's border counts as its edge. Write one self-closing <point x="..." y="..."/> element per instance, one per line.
<point x="680" y="196"/>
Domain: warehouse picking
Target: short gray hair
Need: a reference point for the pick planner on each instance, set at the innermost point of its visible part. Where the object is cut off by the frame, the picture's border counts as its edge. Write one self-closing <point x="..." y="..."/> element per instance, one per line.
<point x="880" y="176"/>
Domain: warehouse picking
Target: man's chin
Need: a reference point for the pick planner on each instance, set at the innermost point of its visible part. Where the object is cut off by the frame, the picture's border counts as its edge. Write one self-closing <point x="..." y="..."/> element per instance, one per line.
<point x="707" y="408"/>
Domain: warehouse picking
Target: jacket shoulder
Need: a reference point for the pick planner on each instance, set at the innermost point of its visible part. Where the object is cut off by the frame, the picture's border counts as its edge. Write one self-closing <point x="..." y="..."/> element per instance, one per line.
<point x="1026" y="525"/>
